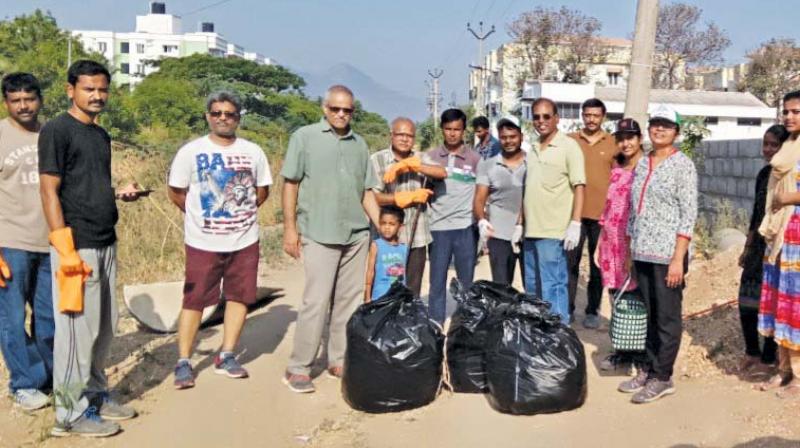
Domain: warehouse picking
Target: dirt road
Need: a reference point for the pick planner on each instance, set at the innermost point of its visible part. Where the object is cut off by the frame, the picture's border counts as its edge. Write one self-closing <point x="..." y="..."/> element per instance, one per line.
<point x="260" y="411"/>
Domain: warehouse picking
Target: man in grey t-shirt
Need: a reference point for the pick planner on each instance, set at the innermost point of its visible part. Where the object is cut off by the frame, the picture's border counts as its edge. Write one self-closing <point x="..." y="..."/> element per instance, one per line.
<point x="498" y="201"/>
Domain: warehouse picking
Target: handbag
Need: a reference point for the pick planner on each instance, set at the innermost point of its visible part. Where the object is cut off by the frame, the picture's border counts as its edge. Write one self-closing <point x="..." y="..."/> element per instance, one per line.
<point x="628" y="327"/>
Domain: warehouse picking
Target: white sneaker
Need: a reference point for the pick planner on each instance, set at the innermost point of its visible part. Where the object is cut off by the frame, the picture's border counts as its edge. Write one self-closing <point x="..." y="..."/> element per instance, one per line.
<point x="31" y="399"/>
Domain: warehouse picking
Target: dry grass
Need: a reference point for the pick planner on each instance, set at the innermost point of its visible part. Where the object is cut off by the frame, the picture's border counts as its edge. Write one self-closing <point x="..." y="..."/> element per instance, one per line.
<point x="150" y="231"/>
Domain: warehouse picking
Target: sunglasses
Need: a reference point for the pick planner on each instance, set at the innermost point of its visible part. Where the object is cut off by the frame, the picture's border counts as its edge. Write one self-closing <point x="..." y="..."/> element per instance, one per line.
<point x="337" y="110"/>
<point x="224" y="114"/>
<point x="544" y="117"/>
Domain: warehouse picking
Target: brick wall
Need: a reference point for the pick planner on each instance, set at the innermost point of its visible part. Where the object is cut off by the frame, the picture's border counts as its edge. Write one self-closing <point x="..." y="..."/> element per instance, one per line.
<point x="728" y="171"/>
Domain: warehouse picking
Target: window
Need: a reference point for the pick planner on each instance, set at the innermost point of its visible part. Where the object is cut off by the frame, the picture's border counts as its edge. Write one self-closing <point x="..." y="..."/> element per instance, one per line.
<point x="748" y="121"/>
<point x="124" y="47"/>
<point x="124" y="68"/>
<point x="569" y="110"/>
<point x="613" y="116"/>
<point x="102" y="47"/>
<point x="711" y="121"/>
<point x="169" y="49"/>
<point x="613" y="79"/>
<point x="140" y="48"/>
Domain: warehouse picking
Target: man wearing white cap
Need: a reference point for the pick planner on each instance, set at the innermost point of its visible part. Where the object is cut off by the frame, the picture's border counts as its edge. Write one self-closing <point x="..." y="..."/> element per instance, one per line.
<point x="499" y="185"/>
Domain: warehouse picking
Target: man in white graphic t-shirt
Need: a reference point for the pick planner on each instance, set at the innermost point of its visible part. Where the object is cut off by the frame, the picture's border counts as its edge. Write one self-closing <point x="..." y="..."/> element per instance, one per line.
<point x="219" y="181"/>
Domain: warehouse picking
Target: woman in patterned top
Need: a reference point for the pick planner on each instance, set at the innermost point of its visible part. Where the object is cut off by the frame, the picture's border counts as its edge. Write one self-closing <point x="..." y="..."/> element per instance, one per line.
<point x="613" y="252"/>
<point x="757" y="361"/>
<point x="662" y="218"/>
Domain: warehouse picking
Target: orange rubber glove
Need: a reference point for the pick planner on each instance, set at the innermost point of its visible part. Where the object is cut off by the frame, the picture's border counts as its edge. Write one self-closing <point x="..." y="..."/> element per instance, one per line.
<point x="409" y="164"/>
<point x="5" y="272"/>
<point x="405" y="199"/>
<point x="72" y="271"/>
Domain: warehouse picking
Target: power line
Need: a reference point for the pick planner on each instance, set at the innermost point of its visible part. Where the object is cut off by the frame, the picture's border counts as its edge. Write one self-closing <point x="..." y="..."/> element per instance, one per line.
<point x="203" y="8"/>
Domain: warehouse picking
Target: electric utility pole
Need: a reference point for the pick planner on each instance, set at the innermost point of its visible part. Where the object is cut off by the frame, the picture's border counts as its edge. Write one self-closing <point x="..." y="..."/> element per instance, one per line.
<point x="481" y="36"/>
<point x="641" y="71"/>
<point x="435" y="74"/>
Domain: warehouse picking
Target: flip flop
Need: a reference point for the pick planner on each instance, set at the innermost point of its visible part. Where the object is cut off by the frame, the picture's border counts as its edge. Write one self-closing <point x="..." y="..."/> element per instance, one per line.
<point x="790" y="391"/>
<point x="778" y="380"/>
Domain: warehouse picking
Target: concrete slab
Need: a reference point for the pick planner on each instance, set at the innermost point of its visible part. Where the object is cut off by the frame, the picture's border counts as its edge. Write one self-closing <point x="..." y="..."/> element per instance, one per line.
<point x="158" y="305"/>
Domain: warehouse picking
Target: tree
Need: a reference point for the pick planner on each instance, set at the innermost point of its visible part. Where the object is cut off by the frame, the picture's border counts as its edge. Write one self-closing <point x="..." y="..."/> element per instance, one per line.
<point x="680" y="42"/>
<point x="563" y="36"/>
<point x="774" y="70"/>
<point x="34" y="43"/>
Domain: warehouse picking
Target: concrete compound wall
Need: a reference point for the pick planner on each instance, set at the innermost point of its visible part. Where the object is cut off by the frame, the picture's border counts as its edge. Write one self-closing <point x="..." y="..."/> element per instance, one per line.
<point x="728" y="171"/>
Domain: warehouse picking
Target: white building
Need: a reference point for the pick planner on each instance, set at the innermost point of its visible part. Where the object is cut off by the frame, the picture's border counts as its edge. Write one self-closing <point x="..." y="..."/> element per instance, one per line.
<point x="728" y="115"/>
<point x="158" y="35"/>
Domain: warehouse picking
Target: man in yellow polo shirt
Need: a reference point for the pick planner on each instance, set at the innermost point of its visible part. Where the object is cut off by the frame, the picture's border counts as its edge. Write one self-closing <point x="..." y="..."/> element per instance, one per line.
<point x="552" y="206"/>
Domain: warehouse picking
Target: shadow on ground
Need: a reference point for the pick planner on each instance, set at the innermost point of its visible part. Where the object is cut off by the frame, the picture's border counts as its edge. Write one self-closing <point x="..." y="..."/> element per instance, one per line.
<point x="761" y="442"/>
<point x="262" y="334"/>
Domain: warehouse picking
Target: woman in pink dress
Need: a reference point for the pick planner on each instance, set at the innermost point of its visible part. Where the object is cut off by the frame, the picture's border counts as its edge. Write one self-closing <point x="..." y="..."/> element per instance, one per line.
<point x="613" y="252"/>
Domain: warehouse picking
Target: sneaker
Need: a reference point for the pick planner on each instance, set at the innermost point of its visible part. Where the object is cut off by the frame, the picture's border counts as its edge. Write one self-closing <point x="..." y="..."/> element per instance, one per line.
<point x="184" y="376"/>
<point x="110" y="409"/>
<point x="335" y="372"/>
<point x="229" y="366"/>
<point x="298" y="383"/>
<point x="89" y="424"/>
<point x="31" y="399"/>
<point x="653" y="390"/>
<point x="634" y="384"/>
<point x="591" y="321"/>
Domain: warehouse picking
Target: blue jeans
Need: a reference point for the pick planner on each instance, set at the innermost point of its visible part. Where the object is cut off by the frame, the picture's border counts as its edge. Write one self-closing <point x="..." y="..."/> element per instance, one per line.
<point x="29" y="358"/>
<point x="546" y="273"/>
<point x="461" y="244"/>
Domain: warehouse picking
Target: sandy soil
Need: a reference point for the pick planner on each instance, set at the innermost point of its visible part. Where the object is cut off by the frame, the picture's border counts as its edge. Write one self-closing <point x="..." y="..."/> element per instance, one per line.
<point x="713" y="408"/>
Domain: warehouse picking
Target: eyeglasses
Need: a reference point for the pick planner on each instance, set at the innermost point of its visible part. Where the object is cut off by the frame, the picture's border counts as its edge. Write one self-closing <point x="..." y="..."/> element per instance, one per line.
<point x="544" y="117"/>
<point x="336" y="110"/>
<point x="663" y="125"/>
<point x="223" y="113"/>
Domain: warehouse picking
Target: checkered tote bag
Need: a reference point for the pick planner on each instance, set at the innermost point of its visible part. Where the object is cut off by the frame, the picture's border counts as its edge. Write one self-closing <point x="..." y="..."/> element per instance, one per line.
<point x="628" y="321"/>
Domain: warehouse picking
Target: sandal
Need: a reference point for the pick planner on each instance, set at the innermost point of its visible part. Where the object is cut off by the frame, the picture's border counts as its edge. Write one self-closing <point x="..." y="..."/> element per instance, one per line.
<point x="790" y="391"/>
<point x="761" y="372"/>
<point x="778" y="380"/>
<point x="748" y="362"/>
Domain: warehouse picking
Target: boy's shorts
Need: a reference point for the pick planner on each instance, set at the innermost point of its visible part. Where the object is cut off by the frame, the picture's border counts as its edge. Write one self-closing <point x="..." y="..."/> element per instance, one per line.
<point x="238" y="270"/>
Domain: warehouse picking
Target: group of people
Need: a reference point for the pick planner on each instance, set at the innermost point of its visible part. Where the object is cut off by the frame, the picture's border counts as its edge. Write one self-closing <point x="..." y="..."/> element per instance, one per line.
<point x="361" y="222"/>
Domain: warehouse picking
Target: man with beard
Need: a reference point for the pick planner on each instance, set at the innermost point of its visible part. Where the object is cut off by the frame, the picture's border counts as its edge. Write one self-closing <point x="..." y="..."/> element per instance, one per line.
<point x="499" y="184"/>
<point x="218" y="181"/>
<point x="80" y="208"/>
<point x="24" y="250"/>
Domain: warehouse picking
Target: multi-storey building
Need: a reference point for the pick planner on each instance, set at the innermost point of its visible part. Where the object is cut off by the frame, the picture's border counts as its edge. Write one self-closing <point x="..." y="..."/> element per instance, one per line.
<point x="158" y="35"/>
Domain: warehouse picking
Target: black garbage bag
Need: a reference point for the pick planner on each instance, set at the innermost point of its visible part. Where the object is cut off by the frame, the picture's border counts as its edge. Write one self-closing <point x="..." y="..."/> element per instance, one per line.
<point x="469" y="329"/>
<point x="534" y="363"/>
<point x="393" y="360"/>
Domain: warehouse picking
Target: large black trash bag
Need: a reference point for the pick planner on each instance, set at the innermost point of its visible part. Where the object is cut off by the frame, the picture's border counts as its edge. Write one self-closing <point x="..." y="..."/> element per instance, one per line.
<point x="534" y="363"/>
<point x="469" y="329"/>
<point x="393" y="360"/>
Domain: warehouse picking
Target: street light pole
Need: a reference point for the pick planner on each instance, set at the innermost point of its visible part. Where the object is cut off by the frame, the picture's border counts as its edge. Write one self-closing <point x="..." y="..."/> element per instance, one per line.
<point x="641" y="69"/>
<point x="481" y="36"/>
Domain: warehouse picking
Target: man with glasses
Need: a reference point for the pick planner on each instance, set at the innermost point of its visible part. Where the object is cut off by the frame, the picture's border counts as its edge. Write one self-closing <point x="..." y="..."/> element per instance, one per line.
<point x="218" y="181"/>
<point x="327" y="192"/>
<point x="599" y="149"/>
<point x="552" y="207"/>
<point x="404" y="179"/>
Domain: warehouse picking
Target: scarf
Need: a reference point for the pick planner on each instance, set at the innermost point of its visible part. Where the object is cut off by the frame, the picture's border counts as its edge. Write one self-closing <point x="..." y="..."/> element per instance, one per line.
<point x="782" y="179"/>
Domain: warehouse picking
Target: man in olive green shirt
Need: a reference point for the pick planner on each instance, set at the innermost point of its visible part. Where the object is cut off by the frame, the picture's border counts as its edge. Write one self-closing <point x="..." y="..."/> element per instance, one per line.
<point x="552" y="207"/>
<point x="327" y="192"/>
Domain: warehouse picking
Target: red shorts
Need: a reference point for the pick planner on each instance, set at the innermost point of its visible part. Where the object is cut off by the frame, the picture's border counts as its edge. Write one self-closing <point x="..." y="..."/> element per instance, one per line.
<point x="204" y="270"/>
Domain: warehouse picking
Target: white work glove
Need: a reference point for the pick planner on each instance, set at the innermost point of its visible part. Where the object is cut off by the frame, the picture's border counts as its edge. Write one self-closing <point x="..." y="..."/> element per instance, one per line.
<point x="485" y="229"/>
<point x="516" y="237"/>
<point x="573" y="235"/>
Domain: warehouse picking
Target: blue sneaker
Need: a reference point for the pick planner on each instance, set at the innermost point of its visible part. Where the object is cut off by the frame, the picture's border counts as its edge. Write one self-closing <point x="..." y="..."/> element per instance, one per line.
<point x="89" y="424"/>
<point x="229" y="366"/>
<point x="184" y="376"/>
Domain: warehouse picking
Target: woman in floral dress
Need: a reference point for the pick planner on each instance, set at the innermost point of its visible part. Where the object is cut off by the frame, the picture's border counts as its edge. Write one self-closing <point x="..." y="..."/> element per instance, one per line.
<point x="613" y="252"/>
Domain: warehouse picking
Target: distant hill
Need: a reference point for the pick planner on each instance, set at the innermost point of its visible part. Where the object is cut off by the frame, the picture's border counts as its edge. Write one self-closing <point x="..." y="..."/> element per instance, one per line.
<point x="374" y="96"/>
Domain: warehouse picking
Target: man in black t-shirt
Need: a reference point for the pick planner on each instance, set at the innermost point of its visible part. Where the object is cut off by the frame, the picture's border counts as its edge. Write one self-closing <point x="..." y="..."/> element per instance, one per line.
<point x="80" y="208"/>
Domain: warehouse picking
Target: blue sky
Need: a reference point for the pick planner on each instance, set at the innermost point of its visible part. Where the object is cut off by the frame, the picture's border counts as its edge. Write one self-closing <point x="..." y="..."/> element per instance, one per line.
<point x="395" y="42"/>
